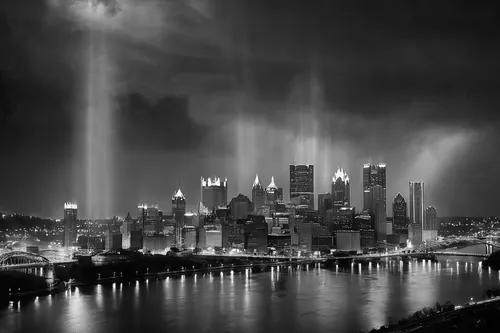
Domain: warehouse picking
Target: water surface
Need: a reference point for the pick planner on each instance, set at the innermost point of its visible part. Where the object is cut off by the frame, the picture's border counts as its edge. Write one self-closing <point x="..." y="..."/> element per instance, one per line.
<point x="288" y="300"/>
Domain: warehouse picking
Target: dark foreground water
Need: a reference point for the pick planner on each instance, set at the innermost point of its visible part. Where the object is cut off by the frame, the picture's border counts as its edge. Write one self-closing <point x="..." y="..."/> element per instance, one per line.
<point x="288" y="300"/>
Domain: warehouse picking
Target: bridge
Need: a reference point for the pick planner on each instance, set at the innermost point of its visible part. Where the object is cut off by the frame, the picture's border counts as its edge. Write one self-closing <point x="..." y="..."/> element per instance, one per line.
<point x="351" y="257"/>
<point x="412" y="254"/>
<point x="21" y="260"/>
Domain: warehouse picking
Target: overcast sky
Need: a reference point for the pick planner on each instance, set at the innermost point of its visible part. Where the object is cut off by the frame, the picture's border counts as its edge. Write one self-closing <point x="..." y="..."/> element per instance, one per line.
<point x="414" y="84"/>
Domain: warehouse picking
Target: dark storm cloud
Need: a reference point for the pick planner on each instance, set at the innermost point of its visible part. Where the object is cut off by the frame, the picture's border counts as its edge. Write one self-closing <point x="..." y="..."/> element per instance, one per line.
<point x="377" y="58"/>
<point x="389" y="78"/>
<point x="162" y="125"/>
<point x="36" y="80"/>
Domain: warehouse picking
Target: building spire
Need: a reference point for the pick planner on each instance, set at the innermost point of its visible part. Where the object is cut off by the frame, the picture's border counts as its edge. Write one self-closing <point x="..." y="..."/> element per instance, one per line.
<point x="272" y="184"/>
<point x="256" y="182"/>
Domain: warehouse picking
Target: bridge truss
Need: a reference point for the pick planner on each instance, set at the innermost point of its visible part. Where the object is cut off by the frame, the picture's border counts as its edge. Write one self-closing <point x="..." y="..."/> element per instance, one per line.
<point x="18" y="258"/>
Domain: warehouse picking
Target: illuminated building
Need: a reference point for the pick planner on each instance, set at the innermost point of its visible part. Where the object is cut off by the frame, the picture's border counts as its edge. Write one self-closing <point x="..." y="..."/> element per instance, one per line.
<point x="189" y="236"/>
<point x="273" y="193"/>
<point x="373" y="175"/>
<point x="213" y="235"/>
<point x="416" y="212"/>
<point x="376" y="205"/>
<point x="399" y="216"/>
<point x="346" y="218"/>
<point x="365" y="223"/>
<point x="125" y="229"/>
<point x="240" y="207"/>
<point x="341" y="191"/>
<point x="191" y="218"/>
<point x="233" y="235"/>
<point x="203" y="212"/>
<point x="324" y="204"/>
<point x="156" y="243"/>
<point x="431" y="227"/>
<point x="70" y="226"/>
<point x="258" y="193"/>
<point x="302" y="185"/>
<point x="178" y="211"/>
<point x="213" y="192"/>
<point x="149" y="220"/>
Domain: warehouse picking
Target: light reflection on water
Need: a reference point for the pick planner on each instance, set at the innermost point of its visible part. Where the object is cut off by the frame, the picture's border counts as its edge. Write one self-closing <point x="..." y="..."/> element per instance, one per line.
<point x="293" y="299"/>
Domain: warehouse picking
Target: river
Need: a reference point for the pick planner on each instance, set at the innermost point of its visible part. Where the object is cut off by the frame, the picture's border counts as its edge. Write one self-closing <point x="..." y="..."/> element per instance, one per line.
<point x="288" y="300"/>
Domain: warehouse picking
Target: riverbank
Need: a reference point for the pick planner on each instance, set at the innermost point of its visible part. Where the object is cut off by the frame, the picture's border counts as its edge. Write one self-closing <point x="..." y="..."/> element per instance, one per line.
<point x="13" y="282"/>
<point x="256" y="268"/>
<point x="493" y="261"/>
<point x="473" y="317"/>
<point x="29" y="286"/>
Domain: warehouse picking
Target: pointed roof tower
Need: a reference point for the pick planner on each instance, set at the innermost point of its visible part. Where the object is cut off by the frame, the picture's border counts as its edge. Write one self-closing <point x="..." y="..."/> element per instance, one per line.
<point x="272" y="185"/>
<point x="256" y="182"/>
<point x="179" y="195"/>
<point x="340" y="173"/>
<point x="129" y="218"/>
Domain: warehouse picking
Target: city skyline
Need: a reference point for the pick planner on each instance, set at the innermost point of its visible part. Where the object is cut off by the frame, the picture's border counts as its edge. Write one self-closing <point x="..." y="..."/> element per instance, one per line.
<point x="206" y="165"/>
<point x="215" y="181"/>
<point x="191" y="92"/>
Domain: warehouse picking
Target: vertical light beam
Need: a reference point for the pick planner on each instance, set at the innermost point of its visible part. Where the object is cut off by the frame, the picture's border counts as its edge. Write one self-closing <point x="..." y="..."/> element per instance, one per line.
<point x="98" y="129"/>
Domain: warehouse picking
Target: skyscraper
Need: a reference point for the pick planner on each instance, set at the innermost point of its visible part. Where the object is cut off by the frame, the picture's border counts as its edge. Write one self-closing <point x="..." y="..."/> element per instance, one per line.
<point x="376" y="206"/>
<point x="125" y="229"/>
<point x="178" y="211"/>
<point x="240" y="207"/>
<point x="213" y="192"/>
<point x="70" y="227"/>
<point x="373" y="175"/>
<point x="416" y="212"/>
<point x="257" y="193"/>
<point x="341" y="191"/>
<point x="273" y="193"/>
<point x="302" y="185"/>
<point x="324" y="204"/>
<point x="430" y="229"/>
<point x="399" y="215"/>
<point x="149" y="220"/>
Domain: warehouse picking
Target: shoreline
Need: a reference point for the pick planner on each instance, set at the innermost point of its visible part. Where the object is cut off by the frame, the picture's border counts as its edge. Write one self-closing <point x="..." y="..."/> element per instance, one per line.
<point x="445" y="318"/>
<point x="160" y="275"/>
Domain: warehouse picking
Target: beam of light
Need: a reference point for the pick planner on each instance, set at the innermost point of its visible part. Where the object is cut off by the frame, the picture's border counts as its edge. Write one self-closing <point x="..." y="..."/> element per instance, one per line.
<point x="97" y="17"/>
<point x="98" y="129"/>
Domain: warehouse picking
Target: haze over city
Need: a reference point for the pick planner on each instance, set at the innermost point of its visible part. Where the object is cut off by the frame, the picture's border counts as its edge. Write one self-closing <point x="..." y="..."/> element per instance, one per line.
<point x="196" y="88"/>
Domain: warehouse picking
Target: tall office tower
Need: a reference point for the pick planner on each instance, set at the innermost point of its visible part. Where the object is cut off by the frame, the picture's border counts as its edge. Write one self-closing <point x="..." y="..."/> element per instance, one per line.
<point x="302" y="185"/>
<point x="341" y="191"/>
<point x="373" y="175"/>
<point x="70" y="227"/>
<point x="273" y="193"/>
<point x="376" y="205"/>
<point x="324" y="204"/>
<point x="213" y="193"/>
<point x="416" y="212"/>
<point x="148" y="220"/>
<point x="257" y="193"/>
<point x="399" y="216"/>
<point x="430" y="229"/>
<point x="365" y="223"/>
<point x="142" y="215"/>
<point x="125" y="230"/>
<point x="178" y="211"/>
